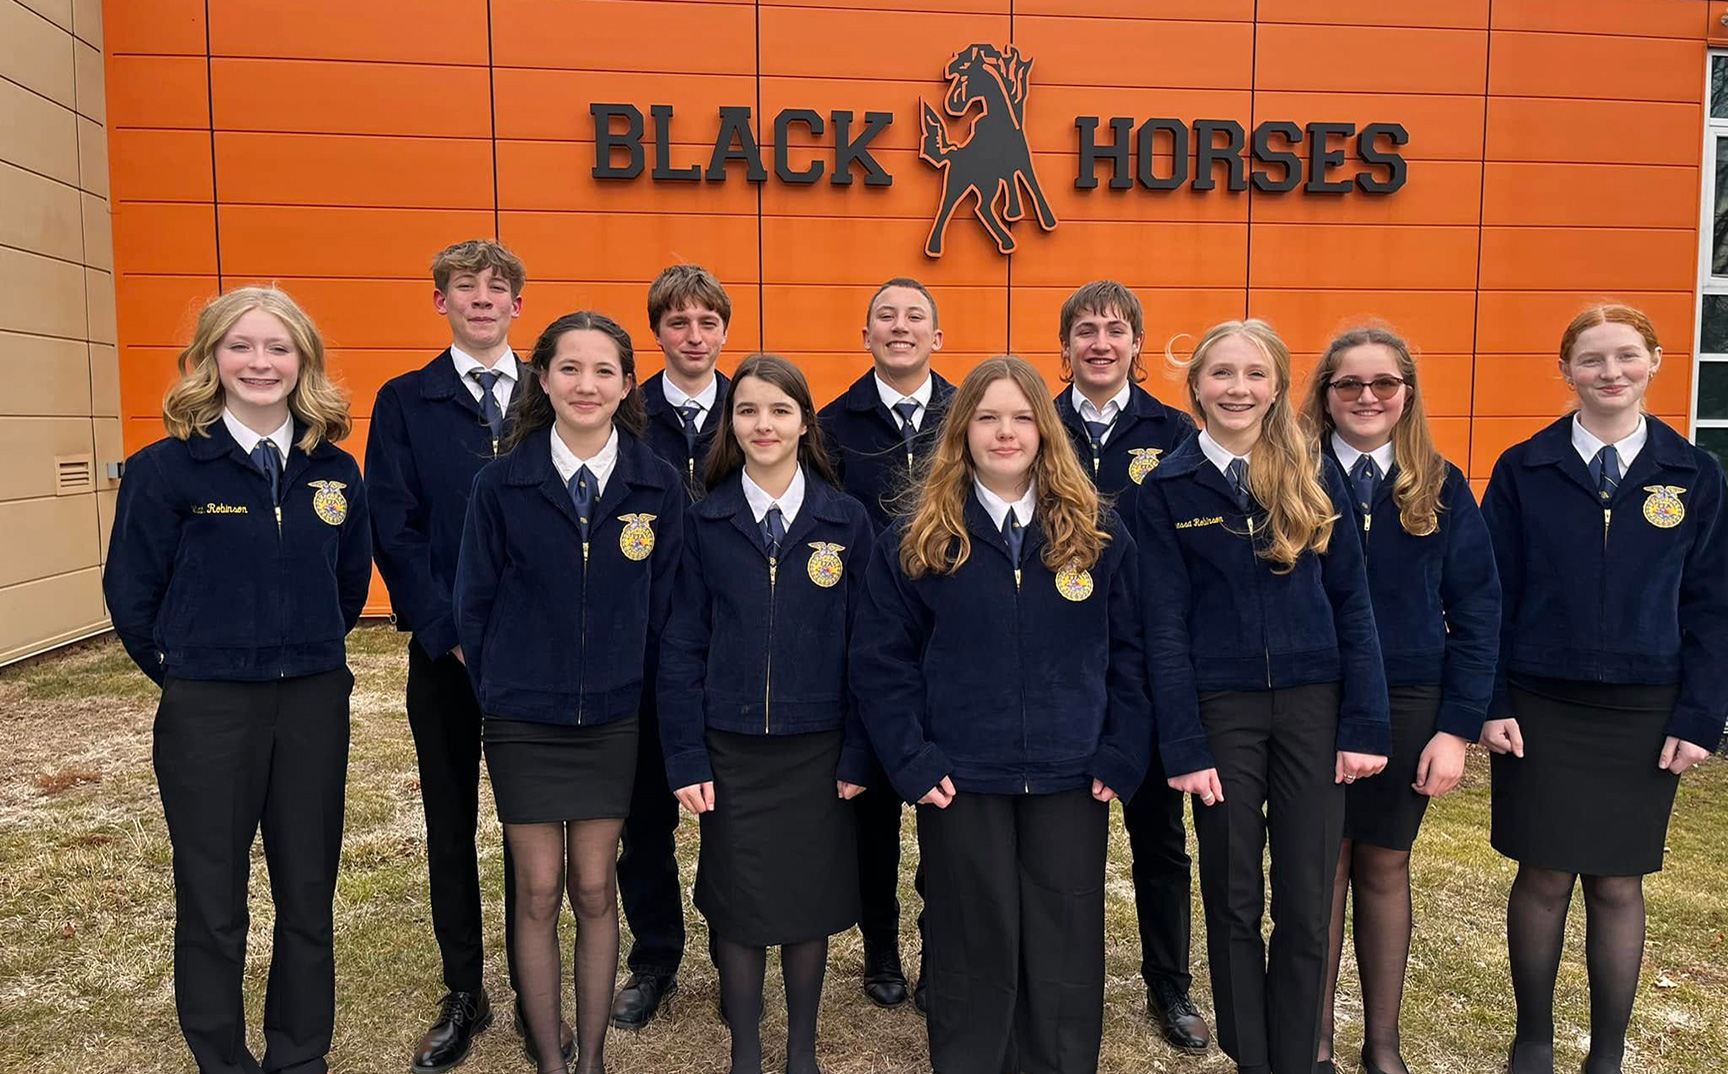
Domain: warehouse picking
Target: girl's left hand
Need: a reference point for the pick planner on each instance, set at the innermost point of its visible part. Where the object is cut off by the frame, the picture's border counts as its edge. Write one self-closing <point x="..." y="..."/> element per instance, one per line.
<point x="1354" y="766"/>
<point x="1101" y="792"/>
<point x="1441" y="766"/>
<point x="1678" y="755"/>
<point x="848" y="791"/>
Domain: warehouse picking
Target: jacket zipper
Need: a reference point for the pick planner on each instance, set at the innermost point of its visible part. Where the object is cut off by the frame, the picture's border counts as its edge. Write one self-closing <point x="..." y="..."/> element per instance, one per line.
<point x="768" y="664"/>
<point x="1260" y="596"/>
<point x="584" y="679"/>
<point x="1019" y="644"/>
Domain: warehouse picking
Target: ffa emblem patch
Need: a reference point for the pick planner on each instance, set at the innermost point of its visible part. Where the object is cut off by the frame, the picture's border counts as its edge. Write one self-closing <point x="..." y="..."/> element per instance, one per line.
<point x="1073" y="582"/>
<point x="1663" y="509"/>
<point x="1144" y="461"/>
<point x="637" y="540"/>
<point x="328" y="502"/>
<point x="825" y="567"/>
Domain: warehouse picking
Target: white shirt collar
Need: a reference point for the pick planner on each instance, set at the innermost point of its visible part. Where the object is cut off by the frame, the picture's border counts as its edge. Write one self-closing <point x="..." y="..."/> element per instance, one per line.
<point x="1585" y="443"/>
<point x="1216" y="453"/>
<point x="998" y="507"/>
<point x="1348" y="455"/>
<point x="921" y="396"/>
<point x="704" y="398"/>
<point x="247" y="439"/>
<point x="789" y="501"/>
<point x="601" y="465"/>
<point x="1113" y="406"/>
<point x="505" y="368"/>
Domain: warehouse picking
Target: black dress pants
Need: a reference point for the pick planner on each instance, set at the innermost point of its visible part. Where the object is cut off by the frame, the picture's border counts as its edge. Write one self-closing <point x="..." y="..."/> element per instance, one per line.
<point x="1162" y="870"/>
<point x="878" y="812"/>
<point x="1276" y="752"/>
<point x="648" y="882"/>
<point x="445" y="720"/>
<point x="232" y="757"/>
<point x="1014" y="895"/>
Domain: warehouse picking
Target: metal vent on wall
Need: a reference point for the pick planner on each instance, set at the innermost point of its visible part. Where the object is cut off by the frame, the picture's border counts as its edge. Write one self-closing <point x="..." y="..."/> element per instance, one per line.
<point x="74" y="474"/>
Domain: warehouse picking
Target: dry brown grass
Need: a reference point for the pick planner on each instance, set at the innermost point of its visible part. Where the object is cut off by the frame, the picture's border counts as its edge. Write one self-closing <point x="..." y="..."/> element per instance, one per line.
<point x="86" y="917"/>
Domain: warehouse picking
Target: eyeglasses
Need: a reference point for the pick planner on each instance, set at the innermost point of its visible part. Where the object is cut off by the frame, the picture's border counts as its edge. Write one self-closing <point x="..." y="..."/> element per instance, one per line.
<point x="1350" y="388"/>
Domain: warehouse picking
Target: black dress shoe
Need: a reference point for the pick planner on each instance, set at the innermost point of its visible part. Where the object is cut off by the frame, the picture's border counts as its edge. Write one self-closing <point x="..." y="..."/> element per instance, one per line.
<point x="884" y="980"/>
<point x="566" y="1038"/>
<point x="461" y="1017"/>
<point x="639" y="1000"/>
<point x="1176" y="1017"/>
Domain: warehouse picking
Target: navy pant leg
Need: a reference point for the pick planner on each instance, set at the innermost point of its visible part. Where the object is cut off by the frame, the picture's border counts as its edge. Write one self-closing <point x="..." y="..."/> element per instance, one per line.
<point x="1162" y="872"/>
<point x="648" y="883"/>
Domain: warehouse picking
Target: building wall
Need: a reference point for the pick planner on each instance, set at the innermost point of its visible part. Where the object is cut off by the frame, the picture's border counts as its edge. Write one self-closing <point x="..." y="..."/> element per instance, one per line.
<point x="333" y="147"/>
<point x="60" y="406"/>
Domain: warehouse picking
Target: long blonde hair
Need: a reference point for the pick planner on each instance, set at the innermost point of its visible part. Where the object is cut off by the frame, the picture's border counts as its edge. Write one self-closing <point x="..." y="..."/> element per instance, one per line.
<point x="195" y="401"/>
<point x="1068" y="509"/>
<point x="1421" y="470"/>
<point x="1284" y="468"/>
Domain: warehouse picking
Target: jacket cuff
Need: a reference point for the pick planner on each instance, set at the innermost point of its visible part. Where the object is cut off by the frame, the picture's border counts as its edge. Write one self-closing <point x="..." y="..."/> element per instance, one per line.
<point x="1184" y="755"/>
<point x="1461" y="720"/>
<point x="1365" y="736"/>
<point x="437" y="637"/>
<point x="857" y="766"/>
<point x="926" y="769"/>
<point x="1113" y="768"/>
<point x="1698" y="728"/>
<point x="688" y="769"/>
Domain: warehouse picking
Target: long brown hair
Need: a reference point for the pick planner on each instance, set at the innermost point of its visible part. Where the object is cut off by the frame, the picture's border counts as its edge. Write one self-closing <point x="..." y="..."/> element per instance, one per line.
<point x="726" y="454"/>
<point x="196" y="400"/>
<point x="531" y="409"/>
<point x="1068" y="509"/>
<point x="1284" y="467"/>
<point x="1421" y="470"/>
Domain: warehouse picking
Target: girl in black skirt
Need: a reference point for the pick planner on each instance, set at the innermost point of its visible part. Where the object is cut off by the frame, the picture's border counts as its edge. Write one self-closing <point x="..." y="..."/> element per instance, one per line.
<point x="1437" y="609"/>
<point x="563" y="581"/>
<point x="760" y="739"/>
<point x="1613" y="656"/>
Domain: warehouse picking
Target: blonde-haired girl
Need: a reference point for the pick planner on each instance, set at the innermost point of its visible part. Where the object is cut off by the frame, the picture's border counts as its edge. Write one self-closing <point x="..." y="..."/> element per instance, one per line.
<point x="996" y="664"/>
<point x="1267" y="686"/>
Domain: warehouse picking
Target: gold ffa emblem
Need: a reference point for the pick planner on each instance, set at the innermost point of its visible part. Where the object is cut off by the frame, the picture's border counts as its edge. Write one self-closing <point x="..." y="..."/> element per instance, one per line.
<point x="825" y="567"/>
<point x="1144" y="461"/>
<point x="1663" y="508"/>
<point x="1074" y="582"/>
<point x="328" y="502"/>
<point x="637" y="540"/>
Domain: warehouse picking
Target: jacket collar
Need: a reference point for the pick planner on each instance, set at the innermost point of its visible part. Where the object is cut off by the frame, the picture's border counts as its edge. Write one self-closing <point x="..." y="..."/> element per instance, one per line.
<point x="530" y="465"/>
<point x="438" y="380"/>
<point x="220" y="443"/>
<point x="654" y="400"/>
<point x="822" y="502"/>
<point x="1142" y="406"/>
<point x="984" y="532"/>
<point x="1387" y="479"/>
<point x="862" y="398"/>
<point x="1665" y="449"/>
<point x="1189" y="459"/>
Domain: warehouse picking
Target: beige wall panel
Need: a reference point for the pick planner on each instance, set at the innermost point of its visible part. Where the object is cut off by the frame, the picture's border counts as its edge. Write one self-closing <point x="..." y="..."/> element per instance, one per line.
<point x="110" y="447"/>
<point x="29" y="446"/>
<point x="39" y="214"/>
<point x="37" y="134"/>
<point x="98" y="232"/>
<point x="105" y="502"/>
<point x="88" y="82"/>
<point x="35" y="53"/>
<point x="104" y="380"/>
<point x="42" y="296"/>
<point x="45" y="377"/>
<point x="37" y="616"/>
<point x="58" y="11"/>
<point x="46" y="537"/>
<point x="87" y="21"/>
<point x="99" y="292"/>
<point x="92" y="152"/>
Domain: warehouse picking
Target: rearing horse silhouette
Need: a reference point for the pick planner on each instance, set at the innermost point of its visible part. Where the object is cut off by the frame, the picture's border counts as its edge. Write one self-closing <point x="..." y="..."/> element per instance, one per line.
<point x="994" y="161"/>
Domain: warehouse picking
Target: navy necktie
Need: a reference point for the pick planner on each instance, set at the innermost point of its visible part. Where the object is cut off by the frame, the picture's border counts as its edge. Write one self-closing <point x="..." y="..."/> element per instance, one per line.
<point x="773" y="532"/>
<point x="1606" y="465"/>
<point x="582" y="489"/>
<point x="489" y="408"/>
<point x="1365" y="476"/>
<point x="906" y="409"/>
<point x="688" y="414"/>
<point x="269" y="462"/>
<point x="1237" y="472"/>
<point x="1014" y="535"/>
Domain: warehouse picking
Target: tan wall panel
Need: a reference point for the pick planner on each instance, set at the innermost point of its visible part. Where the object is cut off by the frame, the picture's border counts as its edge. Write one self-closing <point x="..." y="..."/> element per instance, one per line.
<point x="92" y="149"/>
<point x="104" y="380"/>
<point x="30" y="445"/>
<point x="35" y="53"/>
<point x="57" y="11"/>
<point x="48" y="536"/>
<point x="41" y="296"/>
<point x="37" y="616"/>
<point x="87" y="21"/>
<point x="39" y="215"/>
<point x="89" y="82"/>
<point x="98" y="232"/>
<point x="38" y="134"/>
<point x="99" y="308"/>
<point x="44" y="376"/>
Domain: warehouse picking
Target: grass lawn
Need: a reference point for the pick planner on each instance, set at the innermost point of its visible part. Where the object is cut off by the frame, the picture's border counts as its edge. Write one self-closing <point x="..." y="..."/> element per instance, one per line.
<point x="86" y="917"/>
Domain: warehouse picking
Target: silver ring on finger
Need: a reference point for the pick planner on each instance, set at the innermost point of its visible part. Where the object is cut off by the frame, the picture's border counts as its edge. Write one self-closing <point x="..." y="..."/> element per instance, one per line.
<point x="1207" y="797"/>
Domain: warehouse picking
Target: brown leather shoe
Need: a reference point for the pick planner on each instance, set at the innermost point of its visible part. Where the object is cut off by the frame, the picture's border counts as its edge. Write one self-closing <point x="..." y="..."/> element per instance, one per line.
<point x="1175" y="1015"/>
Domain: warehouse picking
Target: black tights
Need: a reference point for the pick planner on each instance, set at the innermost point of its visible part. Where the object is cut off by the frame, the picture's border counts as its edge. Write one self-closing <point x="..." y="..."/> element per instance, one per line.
<point x="742" y="968"/>
<point x="1613" y="954"/>
<point x="583" y="857"/>
<point x="1380" y="880"/>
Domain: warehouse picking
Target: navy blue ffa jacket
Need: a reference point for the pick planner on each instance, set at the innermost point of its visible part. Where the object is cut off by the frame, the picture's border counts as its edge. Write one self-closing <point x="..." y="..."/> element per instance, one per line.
<point x="1028" y="685"/>
<point x="1436" y="599"/>
<point x="1631" y="590"/>
<point x="758" y="646"/>
<point x="666" y="430"/>
<point x="1219" y="618"/>
<point x="209" y="579"/>
<point x="428" y="440"/>
<point x="1143" y="433"/>
<point x="553" y="632"/>
<point x="863" y="438"/>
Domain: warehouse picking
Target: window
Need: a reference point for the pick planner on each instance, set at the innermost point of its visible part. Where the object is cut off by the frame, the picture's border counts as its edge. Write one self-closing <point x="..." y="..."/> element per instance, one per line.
<point x="1710" y="375"/>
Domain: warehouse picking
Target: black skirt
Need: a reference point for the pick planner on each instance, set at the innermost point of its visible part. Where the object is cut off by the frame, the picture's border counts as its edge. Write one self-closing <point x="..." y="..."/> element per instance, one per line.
<point x="544" y="773"/>
<point x="1383" y="810"/>
<point x="1587" y="796"/>
<point x="779" y="859"/>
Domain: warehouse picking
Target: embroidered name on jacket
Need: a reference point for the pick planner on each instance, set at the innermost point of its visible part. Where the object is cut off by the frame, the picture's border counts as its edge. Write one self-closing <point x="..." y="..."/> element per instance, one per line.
<point x="219" y="509"/>
<point x="1195" y="523"/>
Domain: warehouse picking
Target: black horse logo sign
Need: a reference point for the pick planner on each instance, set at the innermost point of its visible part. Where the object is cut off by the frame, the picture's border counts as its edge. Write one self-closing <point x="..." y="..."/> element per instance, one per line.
<point x="994" y="162"/>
